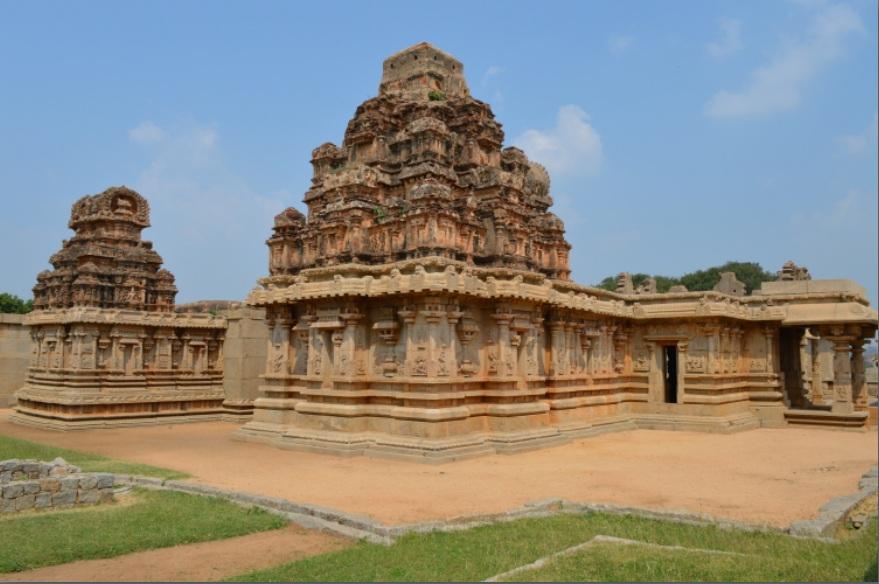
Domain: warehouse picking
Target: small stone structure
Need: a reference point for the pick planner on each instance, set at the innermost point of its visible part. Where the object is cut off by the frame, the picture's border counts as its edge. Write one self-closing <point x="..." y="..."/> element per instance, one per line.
<point x="15" y="343"/>
<point x="31" y="484"/>
<point x="107" y="347"/>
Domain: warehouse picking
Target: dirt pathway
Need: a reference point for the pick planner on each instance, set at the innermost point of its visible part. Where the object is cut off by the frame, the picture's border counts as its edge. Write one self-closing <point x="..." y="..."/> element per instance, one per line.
<point x="211" y="560"/>
<point x="774" y="476"/>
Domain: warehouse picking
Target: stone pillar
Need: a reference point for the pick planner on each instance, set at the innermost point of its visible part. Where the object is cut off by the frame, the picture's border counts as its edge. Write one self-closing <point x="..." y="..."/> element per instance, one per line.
<point x="502" y="317"/>
<point x="347" y="358"/>
<point x="859" y="388"/>
<point x="557" y="347"/>
<point x="453" y="316"/>
<point x="842" y="377"/>
<point x="408" y="314"/>
<point x="682" y="369"/>
<point x="713" y="334"/>
<point x="619" y="353"/>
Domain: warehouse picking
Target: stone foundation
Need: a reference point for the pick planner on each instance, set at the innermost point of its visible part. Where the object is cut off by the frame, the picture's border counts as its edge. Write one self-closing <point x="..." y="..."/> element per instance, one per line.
<point x="31" y="484"/>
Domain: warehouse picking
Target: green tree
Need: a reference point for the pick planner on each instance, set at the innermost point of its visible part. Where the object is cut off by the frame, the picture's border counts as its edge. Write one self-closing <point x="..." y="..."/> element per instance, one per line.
<point x="751" y="273"/>
<point x="10" y="303"/>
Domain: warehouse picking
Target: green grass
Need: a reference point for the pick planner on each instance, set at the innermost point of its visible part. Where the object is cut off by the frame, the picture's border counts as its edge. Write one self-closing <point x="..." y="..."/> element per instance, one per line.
<point x="155" y="519"/>
<point x="16" y="448"/>
<point x="485" y="551"/>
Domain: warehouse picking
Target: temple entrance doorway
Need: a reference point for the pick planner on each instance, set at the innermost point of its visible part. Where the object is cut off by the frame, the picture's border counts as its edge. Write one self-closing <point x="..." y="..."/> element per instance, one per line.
<point x="670" y="373"/>
<point x="791" y="366"/>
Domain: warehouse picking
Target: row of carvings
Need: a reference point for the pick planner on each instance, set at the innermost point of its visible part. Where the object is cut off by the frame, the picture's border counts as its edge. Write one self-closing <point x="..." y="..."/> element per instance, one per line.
<point x="59" y="348"/>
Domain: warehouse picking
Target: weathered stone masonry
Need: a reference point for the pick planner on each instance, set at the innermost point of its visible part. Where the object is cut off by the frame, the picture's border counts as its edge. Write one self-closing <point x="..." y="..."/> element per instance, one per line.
<point x="31" y="484"/>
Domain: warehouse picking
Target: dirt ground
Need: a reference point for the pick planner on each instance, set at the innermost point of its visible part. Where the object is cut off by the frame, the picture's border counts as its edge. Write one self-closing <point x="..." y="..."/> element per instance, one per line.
<point x="773" y="476"/>
<point x="212" y="560"/>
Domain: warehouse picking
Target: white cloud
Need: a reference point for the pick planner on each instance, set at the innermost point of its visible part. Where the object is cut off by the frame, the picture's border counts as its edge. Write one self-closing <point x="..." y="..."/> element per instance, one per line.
<point x="856" y="144"/>
<point x="730" y="40"/>
<point x="619" y="44"/>
<point x="573" y="146"/>
<point x="209" y="223"/>
<point x="778" y="85"/>
<point x="145" y="133"/>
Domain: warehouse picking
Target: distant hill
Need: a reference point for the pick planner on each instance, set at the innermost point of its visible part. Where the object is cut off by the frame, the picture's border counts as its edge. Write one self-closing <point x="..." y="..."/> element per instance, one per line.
<point x="751" y="273"/>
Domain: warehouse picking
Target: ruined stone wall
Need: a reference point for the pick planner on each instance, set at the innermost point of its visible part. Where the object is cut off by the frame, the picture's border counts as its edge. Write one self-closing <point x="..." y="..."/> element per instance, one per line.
<point x="31" y="484"/>
<point x="15" y="348"/>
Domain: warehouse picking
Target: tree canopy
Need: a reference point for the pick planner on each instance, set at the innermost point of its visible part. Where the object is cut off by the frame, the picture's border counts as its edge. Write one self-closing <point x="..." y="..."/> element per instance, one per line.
<point x="751" y="273"/>
<point x="10" y="303"/>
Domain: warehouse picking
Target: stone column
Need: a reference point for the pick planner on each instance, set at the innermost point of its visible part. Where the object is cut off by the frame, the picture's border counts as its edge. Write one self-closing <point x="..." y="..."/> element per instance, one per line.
<point x="557" y="346"/>
<point x="453" y="316"/>
<point x="712" y="332"/>
<point x="408" y="314"/>
<point x="348" y="351"/>
<point x="842" y="377"/>
<point x="619" y="345"/>
<point x="682" y="369"/>
<point x="859" y="388"/>
<point x="503" y="316"/>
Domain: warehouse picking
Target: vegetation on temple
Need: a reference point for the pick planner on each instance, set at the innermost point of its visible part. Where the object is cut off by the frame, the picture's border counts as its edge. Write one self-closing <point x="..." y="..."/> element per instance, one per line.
<point x="751" y="273"/>
<point x="12" y="304"/>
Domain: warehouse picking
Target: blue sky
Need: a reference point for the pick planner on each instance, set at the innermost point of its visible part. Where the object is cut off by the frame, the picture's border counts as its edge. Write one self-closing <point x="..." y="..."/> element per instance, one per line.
<point x="679" y="134"/>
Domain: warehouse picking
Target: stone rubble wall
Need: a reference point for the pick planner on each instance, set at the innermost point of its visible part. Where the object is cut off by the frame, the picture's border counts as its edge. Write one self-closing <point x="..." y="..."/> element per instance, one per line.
<point x="32" y="484"/>
<point x="15" y="351"/>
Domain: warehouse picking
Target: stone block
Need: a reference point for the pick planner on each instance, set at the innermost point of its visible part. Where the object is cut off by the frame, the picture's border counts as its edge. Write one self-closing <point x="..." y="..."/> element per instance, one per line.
<point x="88" y="496"/>
<point x="88" y="482"/>
<point x="64" y="498"/>
<point x="105" y="495"/>
<point x="50" y="485"/>
<point x="13" y="490"/>
<point x="103" y="480"/>
<point x="25" y="502"/>
<point x="31" y="487"/>
<point x="5" y="476"/>
<point x="69" y="483"/>
<point x="9" y="465"/>
<point x="43" y="500"/>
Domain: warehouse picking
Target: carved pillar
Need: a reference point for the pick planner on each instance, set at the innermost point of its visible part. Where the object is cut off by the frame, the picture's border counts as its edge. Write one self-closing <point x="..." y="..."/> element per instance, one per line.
<point x="682" y="368"/>
<point x="347" y="358"/>
<point x="769" y="332"/>
<point x="842" y="376"/>
<point x="467" y="331"/>
<point x="453" y="316"/>
<point x="503" y="316"/>
<point x="413" y="367"/>
<point x="859" y="389"/>
<point x="712" y="333"/>
<point x="557" y="346"/>
<point x="302" y="331"/>
<point x="619" y="349"/>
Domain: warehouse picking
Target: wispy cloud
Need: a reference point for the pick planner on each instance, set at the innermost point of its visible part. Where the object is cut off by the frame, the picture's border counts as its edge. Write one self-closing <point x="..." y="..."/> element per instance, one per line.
<point x="730" y="40"/>
<point x="145" y="133"/>
<point x="619" y="44"/>
<point x="573" y="146"/>
<point x="857" y="144"/>
<point x="778" y="85"/>
<point x="204" y="214"/>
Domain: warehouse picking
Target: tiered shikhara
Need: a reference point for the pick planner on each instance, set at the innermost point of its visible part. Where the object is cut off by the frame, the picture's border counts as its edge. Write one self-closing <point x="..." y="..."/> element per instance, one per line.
<point x="108" y="348"/>
<point x="424" y="308"/>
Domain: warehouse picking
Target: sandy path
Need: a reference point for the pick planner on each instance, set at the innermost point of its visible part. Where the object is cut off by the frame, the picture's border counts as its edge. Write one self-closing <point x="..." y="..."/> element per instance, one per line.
<point x="773" y="476"/>
<point x="210" y="560"/>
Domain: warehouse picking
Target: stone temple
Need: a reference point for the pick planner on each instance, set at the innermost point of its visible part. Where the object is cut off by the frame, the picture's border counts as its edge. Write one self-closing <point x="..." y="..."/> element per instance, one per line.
<point x="107" y="347"/>
<point x="423" y="308"/>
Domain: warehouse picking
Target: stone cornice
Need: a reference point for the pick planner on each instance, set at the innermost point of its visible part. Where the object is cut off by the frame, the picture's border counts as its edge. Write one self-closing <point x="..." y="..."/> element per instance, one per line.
<point x="124" y="317"/>
<point x="449" y="276"/>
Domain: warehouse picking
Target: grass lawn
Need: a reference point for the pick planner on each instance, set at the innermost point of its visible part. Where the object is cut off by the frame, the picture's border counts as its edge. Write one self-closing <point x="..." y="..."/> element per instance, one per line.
<point x="154" y="519"/>
<point x="485" y="551"/>
<point x="16" y="448"/>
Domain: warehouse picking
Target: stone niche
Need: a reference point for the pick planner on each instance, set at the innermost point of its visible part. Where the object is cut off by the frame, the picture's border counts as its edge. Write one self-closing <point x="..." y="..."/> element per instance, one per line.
<point x="107" y="348"/>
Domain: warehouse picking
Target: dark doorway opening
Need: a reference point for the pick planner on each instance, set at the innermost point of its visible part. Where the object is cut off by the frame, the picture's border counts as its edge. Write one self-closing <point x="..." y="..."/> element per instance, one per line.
<point x="670" y="370"/>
